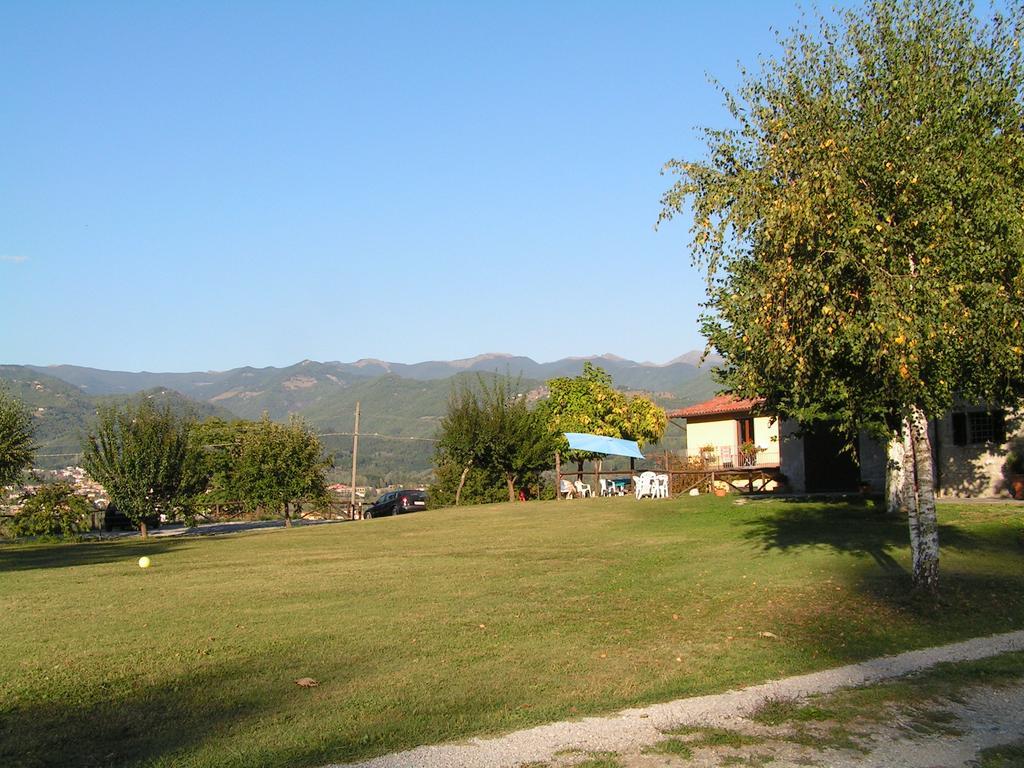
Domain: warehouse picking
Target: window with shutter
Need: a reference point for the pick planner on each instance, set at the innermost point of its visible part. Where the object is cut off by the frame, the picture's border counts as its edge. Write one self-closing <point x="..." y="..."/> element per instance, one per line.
<point x="959" y="429"/>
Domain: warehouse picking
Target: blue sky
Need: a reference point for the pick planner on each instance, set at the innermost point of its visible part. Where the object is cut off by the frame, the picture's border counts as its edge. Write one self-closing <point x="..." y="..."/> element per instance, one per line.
<point x="192" y="186"/>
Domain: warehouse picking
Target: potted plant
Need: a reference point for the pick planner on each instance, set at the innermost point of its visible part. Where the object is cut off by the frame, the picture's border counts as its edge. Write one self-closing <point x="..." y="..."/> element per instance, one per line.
<point x="1013" y="472"/>
<point x="708" y="454"/>
<point x="749" y="453"/>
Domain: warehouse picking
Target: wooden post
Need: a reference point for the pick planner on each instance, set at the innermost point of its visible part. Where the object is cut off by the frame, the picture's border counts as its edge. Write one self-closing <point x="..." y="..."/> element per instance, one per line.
<point x="597" y="475"/>
<point x="355" y="454"/>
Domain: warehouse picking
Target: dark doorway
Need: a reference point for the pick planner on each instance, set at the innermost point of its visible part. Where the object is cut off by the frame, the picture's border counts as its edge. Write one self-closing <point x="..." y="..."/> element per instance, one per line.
<point x="826" y="466"/>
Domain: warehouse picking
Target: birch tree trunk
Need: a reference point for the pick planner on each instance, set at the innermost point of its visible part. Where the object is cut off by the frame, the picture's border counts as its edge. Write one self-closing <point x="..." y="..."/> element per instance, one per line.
<point x="462" y="482"/>
<point x="511" y="480"/>
<point x="899" y="475"/>
<point x="924" y="527"/>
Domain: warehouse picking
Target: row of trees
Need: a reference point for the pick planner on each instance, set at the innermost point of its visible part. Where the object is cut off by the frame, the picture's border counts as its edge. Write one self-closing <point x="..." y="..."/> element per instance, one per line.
<point x="151" y="461"/>
<point x="490" y="436"/>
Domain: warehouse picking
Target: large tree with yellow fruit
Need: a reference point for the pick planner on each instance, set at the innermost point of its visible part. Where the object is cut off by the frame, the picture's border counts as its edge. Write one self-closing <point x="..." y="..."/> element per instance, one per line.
<point x="861" y="225"/>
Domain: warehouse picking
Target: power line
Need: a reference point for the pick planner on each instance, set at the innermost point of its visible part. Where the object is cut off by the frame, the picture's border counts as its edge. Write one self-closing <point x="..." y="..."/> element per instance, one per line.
<point x="377" y="434"/>
<point x="322" y="434"/>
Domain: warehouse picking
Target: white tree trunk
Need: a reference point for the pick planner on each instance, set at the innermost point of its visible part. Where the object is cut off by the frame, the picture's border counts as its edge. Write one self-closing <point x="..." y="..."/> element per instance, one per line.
<point x="924" y="527"/>
<point x="462" y="482"/>
<point x="899" y="474"/>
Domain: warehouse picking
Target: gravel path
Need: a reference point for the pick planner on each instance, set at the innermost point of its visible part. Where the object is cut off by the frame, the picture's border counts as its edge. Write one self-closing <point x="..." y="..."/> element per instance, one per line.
<point x="633" y="729"/>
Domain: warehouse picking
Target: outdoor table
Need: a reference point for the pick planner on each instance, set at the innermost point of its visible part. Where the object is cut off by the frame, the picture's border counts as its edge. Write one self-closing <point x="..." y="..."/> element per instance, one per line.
<point x="620" y="484"/>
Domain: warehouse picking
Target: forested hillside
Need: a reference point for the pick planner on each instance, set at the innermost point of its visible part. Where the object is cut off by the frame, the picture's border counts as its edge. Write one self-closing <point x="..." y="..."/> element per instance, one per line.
<point x="401" y="404"/>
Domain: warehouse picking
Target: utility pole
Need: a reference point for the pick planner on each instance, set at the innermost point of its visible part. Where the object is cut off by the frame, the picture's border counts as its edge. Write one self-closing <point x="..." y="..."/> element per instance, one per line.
<point x="355" y="455"/>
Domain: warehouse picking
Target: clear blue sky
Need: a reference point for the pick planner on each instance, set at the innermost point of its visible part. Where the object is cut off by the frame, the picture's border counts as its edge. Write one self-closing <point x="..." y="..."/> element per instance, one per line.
<point x="190" y="186"/>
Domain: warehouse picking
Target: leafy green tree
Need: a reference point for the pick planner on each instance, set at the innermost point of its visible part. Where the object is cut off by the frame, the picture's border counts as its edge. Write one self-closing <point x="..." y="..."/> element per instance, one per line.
<point x="480" y="485"/>
<point x="490" y="433"/>
<point x="278" y="465"/>
<point x="590" y="403"/>
<point x="139" y="453"/>
<point x="54" y="509"/>
<point x="861" y="228"/>
<point x="645" y="421"/>
<point x="208" y="476"/>
<point x="462" y="442"/>
<point x="521" y="447"/>
<point x="16" y="443"/>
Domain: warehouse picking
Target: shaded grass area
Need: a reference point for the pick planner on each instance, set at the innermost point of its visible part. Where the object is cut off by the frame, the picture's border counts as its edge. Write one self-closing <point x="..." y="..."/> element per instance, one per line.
<point x="1008" y="756"/>
<point x="436" y="626"/>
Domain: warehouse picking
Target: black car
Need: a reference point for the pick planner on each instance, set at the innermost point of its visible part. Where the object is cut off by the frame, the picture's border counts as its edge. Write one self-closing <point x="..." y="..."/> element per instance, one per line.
<point x="397" y="503"/>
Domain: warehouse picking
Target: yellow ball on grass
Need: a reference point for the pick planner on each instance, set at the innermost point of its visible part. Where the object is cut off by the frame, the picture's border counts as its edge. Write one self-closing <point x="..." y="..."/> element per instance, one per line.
<point x="144" y="562"/>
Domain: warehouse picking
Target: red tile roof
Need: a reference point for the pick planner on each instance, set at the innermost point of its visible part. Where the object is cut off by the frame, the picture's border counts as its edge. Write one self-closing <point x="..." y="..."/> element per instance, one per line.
<point x="718" y="406"/>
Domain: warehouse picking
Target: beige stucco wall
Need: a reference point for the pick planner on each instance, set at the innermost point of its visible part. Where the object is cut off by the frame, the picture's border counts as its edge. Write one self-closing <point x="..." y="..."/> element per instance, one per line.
<point x="722" y="432"/>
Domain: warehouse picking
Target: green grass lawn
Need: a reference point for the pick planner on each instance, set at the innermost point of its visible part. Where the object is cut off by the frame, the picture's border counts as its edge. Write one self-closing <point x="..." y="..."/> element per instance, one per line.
<point x="450" y="623"/>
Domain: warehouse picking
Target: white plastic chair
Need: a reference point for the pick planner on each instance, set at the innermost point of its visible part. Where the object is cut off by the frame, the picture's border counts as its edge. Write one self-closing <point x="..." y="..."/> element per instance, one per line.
<point x="567" y="488"/>
<point x="726" y="453"/>
<point x="644" y="485"/>
<point x="607" y="487"/>
<point x="660" y="489"/>
<point x="583" y="489"/>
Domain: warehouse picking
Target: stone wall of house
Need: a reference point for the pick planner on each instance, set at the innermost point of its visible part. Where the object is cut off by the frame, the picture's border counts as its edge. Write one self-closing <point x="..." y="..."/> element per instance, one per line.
<point x="977" y="469"/>
<point x="873" y="459"/>
<point x="791" y="456"/>
<point x="871" y="453"/>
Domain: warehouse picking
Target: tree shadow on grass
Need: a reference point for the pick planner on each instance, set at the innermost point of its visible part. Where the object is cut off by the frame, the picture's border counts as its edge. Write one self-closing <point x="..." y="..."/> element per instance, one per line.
<point x="981" y="588"/>
<point x="132" y="723"/>
<point x="26" y="557"/>
<point x="855" y="528"/>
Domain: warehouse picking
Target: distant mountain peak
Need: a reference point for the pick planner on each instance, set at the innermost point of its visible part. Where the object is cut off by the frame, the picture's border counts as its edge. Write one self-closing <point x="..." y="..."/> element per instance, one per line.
<point x="694" y="357"/>
<point x="606" y="356"/>
<point x="469" y="362"/>
<point x="368" y="361"/>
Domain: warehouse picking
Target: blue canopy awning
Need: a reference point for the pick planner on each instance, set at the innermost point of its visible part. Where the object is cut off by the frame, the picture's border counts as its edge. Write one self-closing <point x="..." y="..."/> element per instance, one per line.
<point x="613" y="446"/>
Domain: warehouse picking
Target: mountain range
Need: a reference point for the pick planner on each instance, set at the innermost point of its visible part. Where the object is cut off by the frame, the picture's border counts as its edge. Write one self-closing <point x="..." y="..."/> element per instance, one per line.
<point x="401" y="404"/>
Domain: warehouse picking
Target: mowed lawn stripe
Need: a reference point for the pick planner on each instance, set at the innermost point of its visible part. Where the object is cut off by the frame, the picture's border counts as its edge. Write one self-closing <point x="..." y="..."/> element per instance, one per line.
<point x="452" y="623"/>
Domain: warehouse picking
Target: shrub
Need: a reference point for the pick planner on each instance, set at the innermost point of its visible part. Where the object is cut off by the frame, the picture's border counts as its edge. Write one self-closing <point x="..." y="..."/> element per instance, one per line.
<point x="53" y="510"/>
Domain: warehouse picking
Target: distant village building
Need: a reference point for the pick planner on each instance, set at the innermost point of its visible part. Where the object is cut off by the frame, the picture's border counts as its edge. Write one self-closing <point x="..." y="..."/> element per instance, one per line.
<point x="346" y="490"/>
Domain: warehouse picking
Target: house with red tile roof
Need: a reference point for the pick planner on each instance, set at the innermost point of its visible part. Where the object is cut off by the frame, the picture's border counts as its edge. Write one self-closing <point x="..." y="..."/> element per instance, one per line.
<point x="972" y="447"/>
<point x="729" y="433"/>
